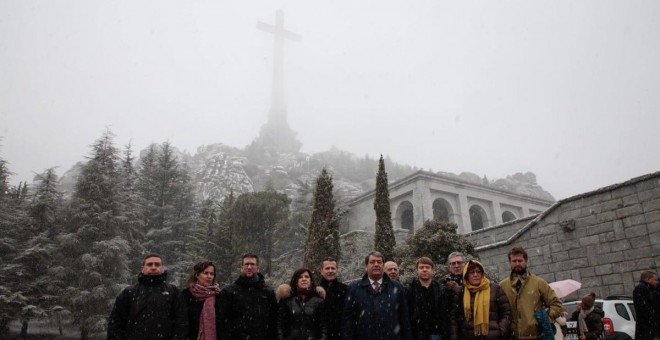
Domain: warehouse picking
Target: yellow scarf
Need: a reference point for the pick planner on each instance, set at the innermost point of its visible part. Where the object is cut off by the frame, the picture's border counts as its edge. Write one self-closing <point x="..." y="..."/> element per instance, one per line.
<point x="481" y="301"/>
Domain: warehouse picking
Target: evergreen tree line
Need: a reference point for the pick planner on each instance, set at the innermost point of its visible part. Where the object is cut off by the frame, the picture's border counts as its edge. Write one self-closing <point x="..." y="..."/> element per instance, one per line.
<point x="74" y="255"/>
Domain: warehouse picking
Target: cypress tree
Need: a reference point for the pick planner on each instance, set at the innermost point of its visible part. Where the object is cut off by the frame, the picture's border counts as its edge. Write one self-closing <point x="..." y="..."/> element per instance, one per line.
<point x="323" y="233"/>
<point x="384" y="238"/>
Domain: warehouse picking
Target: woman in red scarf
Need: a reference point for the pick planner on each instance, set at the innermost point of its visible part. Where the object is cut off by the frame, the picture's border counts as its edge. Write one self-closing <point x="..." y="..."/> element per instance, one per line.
<point x="200" y="296"/>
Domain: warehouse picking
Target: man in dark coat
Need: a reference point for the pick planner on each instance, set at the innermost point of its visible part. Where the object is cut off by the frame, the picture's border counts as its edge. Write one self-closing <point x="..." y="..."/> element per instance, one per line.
<point x="333" y="306"/>
<point x="454" y="280"/>
<point x="152" y="309"/>
<point x="248" y="307"/>
<point x="429" y="304"/>
<point x="646" y="326"/>
<point x="376" y="307"/>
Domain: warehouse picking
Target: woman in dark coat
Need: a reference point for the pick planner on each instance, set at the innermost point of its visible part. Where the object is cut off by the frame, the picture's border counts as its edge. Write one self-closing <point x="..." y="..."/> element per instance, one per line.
<point x="200" y="297"/>
<point x="589" y="318"/>
<point x="299" y="315"/>
<point x="484" y="311"/>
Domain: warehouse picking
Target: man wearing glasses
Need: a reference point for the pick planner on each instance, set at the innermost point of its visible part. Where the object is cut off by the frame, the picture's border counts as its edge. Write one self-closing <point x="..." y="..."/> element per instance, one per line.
<point x="454" y="280"/>
<point x="248" y="306"/>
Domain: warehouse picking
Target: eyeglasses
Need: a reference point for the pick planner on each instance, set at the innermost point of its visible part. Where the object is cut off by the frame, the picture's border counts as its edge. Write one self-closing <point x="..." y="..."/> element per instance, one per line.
<point x="457" y="263"/>
<point x="249" y="264"/>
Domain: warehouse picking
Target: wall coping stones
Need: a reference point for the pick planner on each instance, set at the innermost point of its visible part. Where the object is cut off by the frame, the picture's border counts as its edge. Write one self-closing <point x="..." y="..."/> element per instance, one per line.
<point x="536" y="219"/>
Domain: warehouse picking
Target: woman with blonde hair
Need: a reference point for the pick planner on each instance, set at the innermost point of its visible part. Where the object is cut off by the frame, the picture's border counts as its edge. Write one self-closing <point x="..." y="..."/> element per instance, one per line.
<point x="484" y="311"/>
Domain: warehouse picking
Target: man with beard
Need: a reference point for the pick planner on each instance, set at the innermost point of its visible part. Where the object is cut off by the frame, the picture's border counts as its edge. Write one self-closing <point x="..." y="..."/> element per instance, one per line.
<point x="151" y="309"/>
<point x="527" y="293"/>
<point x="333" y="305"/>
<point x="248" y="307"/>
<point x="376" y="307"/>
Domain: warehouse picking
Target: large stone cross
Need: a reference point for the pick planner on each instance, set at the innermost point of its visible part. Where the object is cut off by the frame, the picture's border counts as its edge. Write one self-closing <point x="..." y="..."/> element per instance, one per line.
<point x="278" y="109"/>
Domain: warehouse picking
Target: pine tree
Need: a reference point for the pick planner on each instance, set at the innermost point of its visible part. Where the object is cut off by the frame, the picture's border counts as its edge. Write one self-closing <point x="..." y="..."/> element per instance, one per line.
<point x="13" y="219"/>
<point x="323" y="235"/>
<point x="46" y="202"/>
<point x="35" y="259"/>
<point x="384" y="238"/>
<point x="93" y="254"/>
<point x="168" y="207"/>
<point x="133" y="226"/>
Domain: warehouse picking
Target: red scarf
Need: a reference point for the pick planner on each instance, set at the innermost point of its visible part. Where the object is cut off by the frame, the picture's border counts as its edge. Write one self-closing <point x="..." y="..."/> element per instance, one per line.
<point x="207" y="318"/>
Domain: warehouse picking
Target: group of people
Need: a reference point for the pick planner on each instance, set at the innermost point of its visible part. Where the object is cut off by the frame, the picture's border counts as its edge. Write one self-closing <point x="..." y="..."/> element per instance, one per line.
<point x="465" y="304"/>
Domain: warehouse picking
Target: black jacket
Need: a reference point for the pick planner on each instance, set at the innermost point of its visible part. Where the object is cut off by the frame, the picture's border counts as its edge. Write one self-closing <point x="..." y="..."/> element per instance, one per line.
<point x="152" y="309"/>
<point x="248" y="309"/>
<point x="333" y="307"/>
<point x="298" y="320"/>
<point x="194" y="308"/>
<point x="441" y="304"/>
<point x="375" y="316"/>
<point x="646" y="327"/>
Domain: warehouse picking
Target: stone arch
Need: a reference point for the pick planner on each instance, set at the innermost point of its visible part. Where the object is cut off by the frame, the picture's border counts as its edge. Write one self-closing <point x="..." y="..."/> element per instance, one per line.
<point x="508" y="216"/>
<point x="442" y="210"/>
<point x="478" y="217"/>
<point x="405" y="216"/>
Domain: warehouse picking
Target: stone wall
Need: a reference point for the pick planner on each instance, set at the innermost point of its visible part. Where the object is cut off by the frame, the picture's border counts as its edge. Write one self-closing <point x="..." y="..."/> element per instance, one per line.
<point x="604" y="238"/>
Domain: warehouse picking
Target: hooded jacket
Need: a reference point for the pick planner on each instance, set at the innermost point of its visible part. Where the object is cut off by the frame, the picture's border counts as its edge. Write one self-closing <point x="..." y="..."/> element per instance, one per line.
<point x="248" y="309"/>
<point x="533" y="295"/>
<point x="499" y="311"/>
<point x="300" y="320"/>
<point x="151" y="309"/>
<point x="370" y="315"/>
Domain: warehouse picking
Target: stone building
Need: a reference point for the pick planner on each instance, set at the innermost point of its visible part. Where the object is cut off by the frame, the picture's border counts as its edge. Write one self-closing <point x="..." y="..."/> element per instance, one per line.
<point x="425" y="195"/>
<point x="603" y="238"/>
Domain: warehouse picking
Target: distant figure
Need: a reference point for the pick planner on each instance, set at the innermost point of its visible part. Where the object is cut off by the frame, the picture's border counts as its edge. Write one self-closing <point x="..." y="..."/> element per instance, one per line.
<point x="589" y="318"/>
<point x="527" y="293"/>
<point x="248" y="307"/>
<point x="376" y="306"/>
<point x="299" y="315"/>
<point x="484" y="311"/>
<point x="455" y="262"/>
<point x="151" y="309"/>
<point x="201" y="298"/>
<point x="646" y="325"/>
<point x="333" y="306"/>
<point x="429" y="304"/>
<point x="392" y="270"/>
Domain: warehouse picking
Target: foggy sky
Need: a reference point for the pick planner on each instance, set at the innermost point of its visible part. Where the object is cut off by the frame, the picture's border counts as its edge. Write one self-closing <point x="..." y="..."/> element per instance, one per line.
<point x="568" y="90"/>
